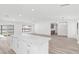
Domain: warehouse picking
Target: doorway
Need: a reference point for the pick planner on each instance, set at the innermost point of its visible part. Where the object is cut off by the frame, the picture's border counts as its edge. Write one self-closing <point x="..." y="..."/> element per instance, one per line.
<point x="53" y="29"/>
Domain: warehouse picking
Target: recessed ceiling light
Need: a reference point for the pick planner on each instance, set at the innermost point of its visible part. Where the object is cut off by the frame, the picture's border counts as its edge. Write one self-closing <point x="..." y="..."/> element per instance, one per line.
<point x="48" y="16"/>
<point x="33" y="9"/>
<point x="20" y="15"/>
<point x="13" y="19"/>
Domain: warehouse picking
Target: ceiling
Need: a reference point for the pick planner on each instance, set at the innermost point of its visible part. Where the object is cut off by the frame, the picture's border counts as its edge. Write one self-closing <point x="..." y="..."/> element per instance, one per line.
<point x="37" y="12"/>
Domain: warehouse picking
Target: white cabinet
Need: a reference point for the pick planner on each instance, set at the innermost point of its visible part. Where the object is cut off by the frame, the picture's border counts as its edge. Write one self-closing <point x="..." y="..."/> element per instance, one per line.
<point x="31" y="44"/>
<point x="14" y="43"/>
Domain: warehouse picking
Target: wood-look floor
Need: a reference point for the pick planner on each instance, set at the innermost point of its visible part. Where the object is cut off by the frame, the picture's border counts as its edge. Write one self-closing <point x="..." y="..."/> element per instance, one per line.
<point x="63" y="45"/>
<point x="5" y="47"/>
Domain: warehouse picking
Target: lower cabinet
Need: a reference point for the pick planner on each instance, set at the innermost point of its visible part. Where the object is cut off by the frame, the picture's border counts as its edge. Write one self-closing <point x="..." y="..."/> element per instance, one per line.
<point x="32" y="45"/>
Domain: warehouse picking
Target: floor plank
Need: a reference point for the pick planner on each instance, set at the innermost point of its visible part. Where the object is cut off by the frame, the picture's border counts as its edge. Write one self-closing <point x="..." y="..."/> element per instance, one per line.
<point x="63" y="45"/>
<point x="5" y="47"/>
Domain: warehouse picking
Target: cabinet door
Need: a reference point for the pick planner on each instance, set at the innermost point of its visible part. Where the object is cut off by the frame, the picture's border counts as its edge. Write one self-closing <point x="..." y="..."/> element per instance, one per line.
<point x="33" y="45"/>
<point x="21" y="48"/>
<point x="24" y="48"/>
<point x="24" y="44"/>
<point x="14" y="42"/>
<point x="39" y="45"/>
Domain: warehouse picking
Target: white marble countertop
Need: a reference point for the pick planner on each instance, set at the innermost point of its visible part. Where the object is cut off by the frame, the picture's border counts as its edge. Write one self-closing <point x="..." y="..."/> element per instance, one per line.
<point x="36" y="34"/>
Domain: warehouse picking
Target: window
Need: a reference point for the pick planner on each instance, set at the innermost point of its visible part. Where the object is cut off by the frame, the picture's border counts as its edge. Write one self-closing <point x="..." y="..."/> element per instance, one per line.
<point x="7" y="30"/>
<point x="27" y="28"/>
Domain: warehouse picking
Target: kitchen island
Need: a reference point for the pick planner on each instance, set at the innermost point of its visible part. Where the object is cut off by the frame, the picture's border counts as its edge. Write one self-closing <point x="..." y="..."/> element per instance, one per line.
<point x="30" y="43"/>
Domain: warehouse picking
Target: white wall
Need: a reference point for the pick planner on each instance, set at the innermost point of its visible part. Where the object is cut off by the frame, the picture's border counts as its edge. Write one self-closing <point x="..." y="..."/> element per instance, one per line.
<point x="43" y="28"/>
<point x="62" y="28"/>
<point x="68" y="29"/>
<point x="72" y="29"/>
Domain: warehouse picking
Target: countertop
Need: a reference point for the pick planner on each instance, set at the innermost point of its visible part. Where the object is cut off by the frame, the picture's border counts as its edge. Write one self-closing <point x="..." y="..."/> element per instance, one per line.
<point x="43" y="35"/>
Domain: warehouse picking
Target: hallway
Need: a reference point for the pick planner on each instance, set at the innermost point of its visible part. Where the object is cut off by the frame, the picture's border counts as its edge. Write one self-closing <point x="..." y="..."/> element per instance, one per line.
<point x="63" y="45"/>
